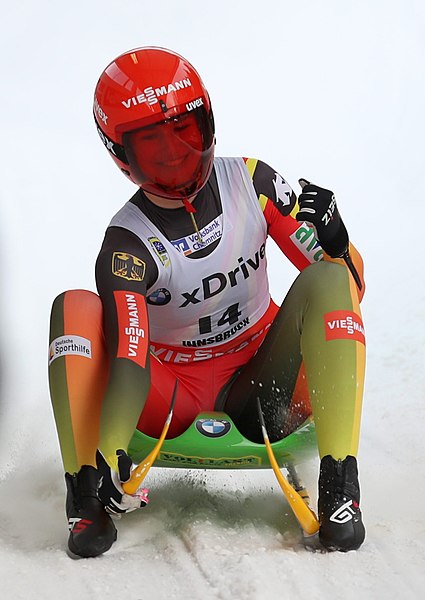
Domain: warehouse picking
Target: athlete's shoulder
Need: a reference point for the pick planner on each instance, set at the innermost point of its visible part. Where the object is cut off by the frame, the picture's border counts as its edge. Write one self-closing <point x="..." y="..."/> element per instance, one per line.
<point x="270" y="186"/>
<point x="124" y="255"/>
<point x="228" y="161"/>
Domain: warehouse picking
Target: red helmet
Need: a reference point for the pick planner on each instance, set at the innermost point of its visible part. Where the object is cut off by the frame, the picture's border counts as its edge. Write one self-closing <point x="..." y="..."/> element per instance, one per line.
<point x="154" y="116"/>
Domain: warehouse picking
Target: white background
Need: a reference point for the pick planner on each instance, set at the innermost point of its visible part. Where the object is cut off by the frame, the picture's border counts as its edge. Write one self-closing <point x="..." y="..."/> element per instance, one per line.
<point x="332" y="91"/>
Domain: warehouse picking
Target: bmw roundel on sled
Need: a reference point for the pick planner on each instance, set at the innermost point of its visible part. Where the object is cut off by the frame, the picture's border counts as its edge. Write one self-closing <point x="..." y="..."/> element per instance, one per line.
<point x="213" y="442"/>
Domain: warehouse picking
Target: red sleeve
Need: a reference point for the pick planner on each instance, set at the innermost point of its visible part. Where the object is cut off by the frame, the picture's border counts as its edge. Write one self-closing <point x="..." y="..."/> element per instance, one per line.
<point x="296" y="240"/>
<point x="279" y="204"/>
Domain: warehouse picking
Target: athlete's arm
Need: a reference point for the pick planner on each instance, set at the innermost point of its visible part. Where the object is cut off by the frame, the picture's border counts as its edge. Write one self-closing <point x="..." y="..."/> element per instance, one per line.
<point x="124" y="271"/>
<point x="296" y="240"/>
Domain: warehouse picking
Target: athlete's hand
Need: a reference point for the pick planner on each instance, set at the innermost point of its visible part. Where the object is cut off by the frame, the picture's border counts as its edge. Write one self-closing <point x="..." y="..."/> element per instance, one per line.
<point x="110" y="490"/>
<point x="318" y="207"/>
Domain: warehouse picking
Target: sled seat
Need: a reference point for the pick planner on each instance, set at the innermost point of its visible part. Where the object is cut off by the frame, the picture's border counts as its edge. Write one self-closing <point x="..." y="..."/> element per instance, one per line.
<point x="213" y="442"/>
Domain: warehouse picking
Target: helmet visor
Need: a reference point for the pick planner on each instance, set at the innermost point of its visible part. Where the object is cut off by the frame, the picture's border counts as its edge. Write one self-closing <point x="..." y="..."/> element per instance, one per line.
<point x="172" y="158"/>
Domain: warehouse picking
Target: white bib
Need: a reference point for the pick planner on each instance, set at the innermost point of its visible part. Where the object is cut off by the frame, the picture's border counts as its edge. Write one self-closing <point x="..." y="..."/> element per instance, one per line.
<point x="209" y="301"/>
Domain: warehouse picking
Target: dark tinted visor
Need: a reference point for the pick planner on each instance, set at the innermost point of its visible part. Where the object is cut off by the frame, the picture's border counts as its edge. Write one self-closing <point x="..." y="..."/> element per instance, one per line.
<point x="172" y="158"/>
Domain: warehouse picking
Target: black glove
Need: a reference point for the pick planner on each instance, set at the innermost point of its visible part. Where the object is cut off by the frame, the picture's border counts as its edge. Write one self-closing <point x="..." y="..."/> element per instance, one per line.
<point x="110" y="491"/>
<point x="318" y="207"/>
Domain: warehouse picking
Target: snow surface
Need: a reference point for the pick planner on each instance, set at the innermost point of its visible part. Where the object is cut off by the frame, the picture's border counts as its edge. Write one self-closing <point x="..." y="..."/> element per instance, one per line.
<point x="332" y="91"/>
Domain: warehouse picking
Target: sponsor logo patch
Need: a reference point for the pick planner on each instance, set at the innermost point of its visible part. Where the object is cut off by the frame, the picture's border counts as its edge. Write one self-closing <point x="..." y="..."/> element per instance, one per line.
<point x="343" y="514"/>
<point x="213" y="427"/>
<point x="217" y="282"/>
<point x="282" y="189"/>
<point x="224" y="461"/>
<point x="305" y="240"/>
<point x="159" y="249"/>
<point x="150" y="95"/>
<point x="344" y="325"/>
<point x="209" y="234"/>
<point x="173" y="355"/>
<point x="194" y="104"/>
<point x="99" y="111"/>
<point x="159" y="297"/>
<point x="77" y="524"/>
<point x="132" y="321"/>
<point x="69" y="345"/>
<point x="128" y="266"/>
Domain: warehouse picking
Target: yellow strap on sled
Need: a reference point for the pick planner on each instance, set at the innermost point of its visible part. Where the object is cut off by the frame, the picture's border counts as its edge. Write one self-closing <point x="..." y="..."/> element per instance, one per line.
<point x="304" y="515"/>
<point x="139" y="473"/>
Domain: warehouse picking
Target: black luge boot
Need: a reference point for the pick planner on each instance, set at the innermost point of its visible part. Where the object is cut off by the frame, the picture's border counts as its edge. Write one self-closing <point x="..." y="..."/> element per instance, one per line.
<point x="341" y="526"/>
<point x="92" y="531"/>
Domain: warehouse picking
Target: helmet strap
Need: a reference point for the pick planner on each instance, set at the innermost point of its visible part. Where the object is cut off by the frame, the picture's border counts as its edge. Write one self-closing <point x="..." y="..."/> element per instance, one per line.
<point x="188" y="206"/>
<point x="191" y="210"/>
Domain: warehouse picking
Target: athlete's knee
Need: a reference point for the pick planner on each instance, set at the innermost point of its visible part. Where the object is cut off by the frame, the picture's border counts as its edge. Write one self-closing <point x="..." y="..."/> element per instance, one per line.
<point x="325" y="276"/>
<point x="78" y="313"/>
<point x="77" y="300"/>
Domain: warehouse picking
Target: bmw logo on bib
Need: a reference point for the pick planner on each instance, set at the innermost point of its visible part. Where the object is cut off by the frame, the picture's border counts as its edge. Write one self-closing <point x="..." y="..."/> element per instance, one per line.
<point x="159" y="297"/>
<point x="213" y="427"/>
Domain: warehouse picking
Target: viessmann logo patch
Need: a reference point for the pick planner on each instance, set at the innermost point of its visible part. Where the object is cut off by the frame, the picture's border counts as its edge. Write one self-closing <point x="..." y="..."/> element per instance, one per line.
<point x="132" y="322"/>
<point x="344" y="325"/>
<point x="128" y="266"/>
<point x="150" y="95"/>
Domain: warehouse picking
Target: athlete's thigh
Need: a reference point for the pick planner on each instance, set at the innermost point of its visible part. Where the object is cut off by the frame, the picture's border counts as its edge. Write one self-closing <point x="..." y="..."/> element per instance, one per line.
<point x="274" y="376"/>
<point x="156" y="409"/>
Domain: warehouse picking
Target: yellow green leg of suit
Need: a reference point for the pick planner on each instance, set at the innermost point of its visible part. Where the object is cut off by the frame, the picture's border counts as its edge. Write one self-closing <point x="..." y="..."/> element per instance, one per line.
<point x="318" y="335"/>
